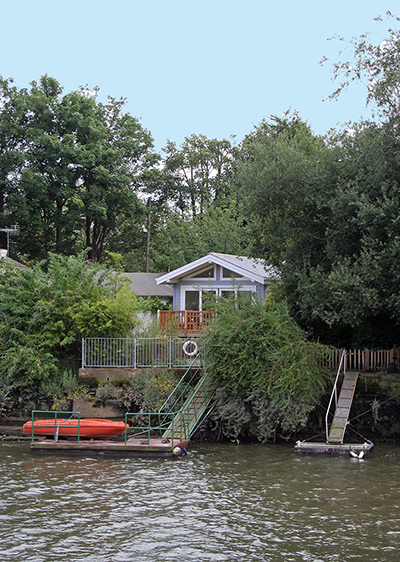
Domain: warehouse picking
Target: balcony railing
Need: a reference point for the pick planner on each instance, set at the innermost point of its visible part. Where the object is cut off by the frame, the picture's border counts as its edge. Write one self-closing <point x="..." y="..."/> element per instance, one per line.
<point x="187" y="321"/>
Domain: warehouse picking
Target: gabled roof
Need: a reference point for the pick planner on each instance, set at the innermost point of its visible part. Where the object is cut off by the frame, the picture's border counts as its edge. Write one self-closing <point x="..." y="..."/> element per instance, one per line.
<point x="255" y="269"/>
<point x="144" y="285"/>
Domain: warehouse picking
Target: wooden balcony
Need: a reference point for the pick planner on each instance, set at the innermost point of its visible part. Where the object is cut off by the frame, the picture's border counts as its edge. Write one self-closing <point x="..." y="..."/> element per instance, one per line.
<point x="185" y="321"/>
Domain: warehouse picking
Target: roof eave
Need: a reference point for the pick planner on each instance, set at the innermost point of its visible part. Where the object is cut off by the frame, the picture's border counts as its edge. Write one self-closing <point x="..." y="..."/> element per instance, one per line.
<point x="175" y="275"/>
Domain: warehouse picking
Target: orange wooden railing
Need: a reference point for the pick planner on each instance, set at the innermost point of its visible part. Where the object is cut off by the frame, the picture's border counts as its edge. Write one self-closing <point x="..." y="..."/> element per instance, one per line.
<point x="185" y="320"/>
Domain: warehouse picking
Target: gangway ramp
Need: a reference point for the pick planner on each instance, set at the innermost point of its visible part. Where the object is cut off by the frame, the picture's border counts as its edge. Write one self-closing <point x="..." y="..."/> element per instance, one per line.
<point x="341" y="416"/>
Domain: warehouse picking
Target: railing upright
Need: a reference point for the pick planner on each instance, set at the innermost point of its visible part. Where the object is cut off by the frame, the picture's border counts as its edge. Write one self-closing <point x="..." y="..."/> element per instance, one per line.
<point x="83" y="353"/>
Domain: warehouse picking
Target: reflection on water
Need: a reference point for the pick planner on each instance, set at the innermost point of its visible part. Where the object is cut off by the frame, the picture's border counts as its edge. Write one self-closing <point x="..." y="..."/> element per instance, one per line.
<point x="221" y="502"/>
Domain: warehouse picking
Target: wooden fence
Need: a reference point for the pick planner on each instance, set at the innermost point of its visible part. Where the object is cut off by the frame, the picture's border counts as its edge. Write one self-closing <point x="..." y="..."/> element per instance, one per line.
<point x="364" y="360"/>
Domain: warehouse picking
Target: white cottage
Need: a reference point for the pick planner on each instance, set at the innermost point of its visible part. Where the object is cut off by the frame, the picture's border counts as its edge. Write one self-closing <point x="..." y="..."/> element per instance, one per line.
<point x="214" y="275"/>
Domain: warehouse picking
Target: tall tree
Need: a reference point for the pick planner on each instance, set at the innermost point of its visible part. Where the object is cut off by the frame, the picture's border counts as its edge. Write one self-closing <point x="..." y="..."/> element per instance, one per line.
<point x="82" y="169"/>
<point x="376" y="66"/>
<point x="12" y="129"/>
<point x="198" y="173"/>
<point x="327" y="215"/>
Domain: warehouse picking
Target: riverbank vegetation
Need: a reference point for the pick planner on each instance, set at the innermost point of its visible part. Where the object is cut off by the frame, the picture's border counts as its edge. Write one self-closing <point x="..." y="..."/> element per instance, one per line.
<point x="265" y="370"/>
<point x="78" y="174"/>
<point x="45" y="311"/>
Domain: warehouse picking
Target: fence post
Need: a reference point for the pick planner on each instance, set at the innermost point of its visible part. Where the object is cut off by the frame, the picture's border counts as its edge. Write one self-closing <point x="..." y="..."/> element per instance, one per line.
<point x="170" y="353"/>
<point x="83" y="353"/>
<point x="367" y="359"/>
<point x="134" y="353"/>
<point x="391" y="358"/>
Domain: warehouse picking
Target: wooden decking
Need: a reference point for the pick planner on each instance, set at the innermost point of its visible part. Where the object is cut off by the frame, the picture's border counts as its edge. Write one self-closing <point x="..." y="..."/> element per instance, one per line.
<point x="133" y="447"/>
<point x="188" y="322"/>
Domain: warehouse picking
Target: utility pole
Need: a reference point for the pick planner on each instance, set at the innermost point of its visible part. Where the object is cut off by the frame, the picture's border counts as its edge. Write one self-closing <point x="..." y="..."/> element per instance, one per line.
<point x="148" y="235"/>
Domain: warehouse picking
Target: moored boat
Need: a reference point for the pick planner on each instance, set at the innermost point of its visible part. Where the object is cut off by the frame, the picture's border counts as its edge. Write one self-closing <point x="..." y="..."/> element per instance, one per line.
<point x="88" y="428"/>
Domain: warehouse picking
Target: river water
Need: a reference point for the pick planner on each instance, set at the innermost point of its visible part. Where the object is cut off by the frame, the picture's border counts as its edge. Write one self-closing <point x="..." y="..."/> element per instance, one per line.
<point x="220" y="502"/>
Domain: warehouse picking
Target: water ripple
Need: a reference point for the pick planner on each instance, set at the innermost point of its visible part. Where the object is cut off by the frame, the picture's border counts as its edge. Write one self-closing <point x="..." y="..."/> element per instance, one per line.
<point x="220" y="503"/>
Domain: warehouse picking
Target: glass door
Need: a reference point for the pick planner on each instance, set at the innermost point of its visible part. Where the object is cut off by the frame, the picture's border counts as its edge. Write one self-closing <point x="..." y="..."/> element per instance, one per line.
<point x="192" y="300"/>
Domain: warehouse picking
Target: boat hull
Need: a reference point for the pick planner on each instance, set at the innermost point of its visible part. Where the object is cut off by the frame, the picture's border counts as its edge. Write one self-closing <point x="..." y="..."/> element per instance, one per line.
<point x="88" y="428"/>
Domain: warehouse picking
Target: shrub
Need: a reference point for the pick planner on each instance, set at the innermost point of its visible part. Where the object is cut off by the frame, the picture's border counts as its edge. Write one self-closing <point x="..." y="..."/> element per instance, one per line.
<point x="263" y="360"/>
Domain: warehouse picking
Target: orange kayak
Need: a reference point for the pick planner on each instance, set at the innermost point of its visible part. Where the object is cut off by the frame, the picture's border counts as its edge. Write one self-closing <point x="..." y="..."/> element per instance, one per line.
<point x="89" y="428"/>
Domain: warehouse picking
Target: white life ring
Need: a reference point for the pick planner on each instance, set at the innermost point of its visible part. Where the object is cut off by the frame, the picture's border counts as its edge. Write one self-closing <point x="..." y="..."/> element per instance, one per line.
<point x="187" y="344"/>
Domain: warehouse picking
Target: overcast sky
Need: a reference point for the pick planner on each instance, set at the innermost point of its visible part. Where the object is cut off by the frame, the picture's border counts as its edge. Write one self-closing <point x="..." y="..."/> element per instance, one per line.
<point x="206" y="67"/>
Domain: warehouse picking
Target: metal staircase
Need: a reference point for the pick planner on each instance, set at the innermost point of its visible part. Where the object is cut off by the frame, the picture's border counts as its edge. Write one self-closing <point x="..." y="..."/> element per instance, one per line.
<point x="188" y="417"/>
<point x="343" y="404"/>
<point x="187" y="403"/>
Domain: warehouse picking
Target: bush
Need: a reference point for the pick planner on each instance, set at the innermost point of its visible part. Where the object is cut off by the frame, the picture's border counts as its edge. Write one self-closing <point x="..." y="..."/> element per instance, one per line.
<point x="263" y="360"/>
<point x="46" y="310"/>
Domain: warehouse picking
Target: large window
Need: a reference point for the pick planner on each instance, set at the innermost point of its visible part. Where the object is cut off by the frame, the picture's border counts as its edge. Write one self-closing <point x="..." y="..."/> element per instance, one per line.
<point x="208" y="273"/>
<point x="206" y="299"/>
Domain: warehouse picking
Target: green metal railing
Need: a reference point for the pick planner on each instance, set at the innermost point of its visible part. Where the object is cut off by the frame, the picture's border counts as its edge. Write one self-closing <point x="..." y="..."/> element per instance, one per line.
<point x="56" y="424"/>
<point x="182" y="388"/>
<point x="150" y="425"/>
<point x="192" y="410"/>
<point x="192" y="404"/>
<point x="178" y="416"/>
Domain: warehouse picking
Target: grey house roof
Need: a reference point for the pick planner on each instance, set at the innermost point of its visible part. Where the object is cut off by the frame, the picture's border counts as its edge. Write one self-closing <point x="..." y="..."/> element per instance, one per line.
<point x="252" y="268"/>
<point x="144" y="285"/>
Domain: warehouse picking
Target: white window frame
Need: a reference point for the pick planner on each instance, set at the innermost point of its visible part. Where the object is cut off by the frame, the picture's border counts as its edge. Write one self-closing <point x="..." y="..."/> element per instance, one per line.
<point x="234" y="275"/>
<point x="217" y="290"/>
<point x="213" y="278"/>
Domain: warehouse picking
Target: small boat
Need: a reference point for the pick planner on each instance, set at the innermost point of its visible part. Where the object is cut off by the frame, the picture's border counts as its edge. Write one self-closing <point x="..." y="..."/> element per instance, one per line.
<point x="88" y="428"/>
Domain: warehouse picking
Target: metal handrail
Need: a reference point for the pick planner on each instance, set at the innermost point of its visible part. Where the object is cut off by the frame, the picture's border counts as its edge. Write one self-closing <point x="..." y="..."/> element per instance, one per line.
<point x="201" y="387"/>
<point x="56" y="424"/>
<point x="150" y="428"/>
<point x="134" y="352"/>
<point x="180" y="384"/>
<point x="334" y="391"/>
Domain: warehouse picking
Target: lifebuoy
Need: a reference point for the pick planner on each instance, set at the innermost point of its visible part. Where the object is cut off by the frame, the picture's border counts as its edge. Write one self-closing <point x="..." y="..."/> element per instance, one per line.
<point x="187" y="344"/>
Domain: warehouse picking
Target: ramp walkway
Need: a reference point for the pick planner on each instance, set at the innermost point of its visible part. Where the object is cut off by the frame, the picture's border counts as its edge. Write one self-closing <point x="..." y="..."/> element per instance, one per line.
<point x="341" y="416"/>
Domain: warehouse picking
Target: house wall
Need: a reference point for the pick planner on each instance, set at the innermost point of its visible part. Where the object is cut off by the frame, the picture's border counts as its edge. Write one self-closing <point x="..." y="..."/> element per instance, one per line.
<point x="218" y="282"/>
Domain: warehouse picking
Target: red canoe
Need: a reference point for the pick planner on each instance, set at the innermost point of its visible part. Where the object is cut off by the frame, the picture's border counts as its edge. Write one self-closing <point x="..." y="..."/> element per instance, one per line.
<point x="89" y="428"/>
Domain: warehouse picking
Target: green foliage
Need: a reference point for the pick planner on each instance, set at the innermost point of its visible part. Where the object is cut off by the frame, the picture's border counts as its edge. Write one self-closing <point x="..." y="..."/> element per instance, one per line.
<point x="375" y="66"/>
<point x="152" y="304"/>
<point x="73" y="168"/>
<point x="179" y="240"/>
<point x="46" y="310"/>
<point x="107" y="317"/>
<point x="266" y="366"/>
<point x="146" y="392"/>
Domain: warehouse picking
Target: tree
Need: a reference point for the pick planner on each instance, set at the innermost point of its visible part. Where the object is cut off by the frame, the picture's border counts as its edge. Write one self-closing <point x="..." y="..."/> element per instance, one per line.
<point x="81" y="168"/>
<point x="377" y="66"/>
<point x="177" y="241"/>
<point x="264" y="367"/>
<point x="197" y="174"/>
<point x="46" y="310"/>
<point x="284" y="177"/>
<point x="11" y="135"/>
<point x="326" y="213"/>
